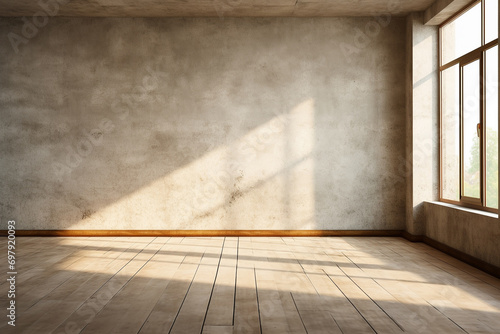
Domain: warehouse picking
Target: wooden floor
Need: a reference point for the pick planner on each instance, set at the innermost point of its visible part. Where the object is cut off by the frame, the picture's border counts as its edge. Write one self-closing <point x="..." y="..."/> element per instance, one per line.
<point x="246" y="285"/>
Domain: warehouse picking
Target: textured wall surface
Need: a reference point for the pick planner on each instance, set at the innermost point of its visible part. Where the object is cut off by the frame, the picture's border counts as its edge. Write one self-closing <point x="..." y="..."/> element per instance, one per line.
<point x="465" y="230"/>
<point x="422" y="111"/>
<point x="203" y="124"/>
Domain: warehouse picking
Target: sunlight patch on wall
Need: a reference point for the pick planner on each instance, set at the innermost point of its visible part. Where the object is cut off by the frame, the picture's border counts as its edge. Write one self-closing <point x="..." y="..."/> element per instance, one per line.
<point x="262" y="180"/>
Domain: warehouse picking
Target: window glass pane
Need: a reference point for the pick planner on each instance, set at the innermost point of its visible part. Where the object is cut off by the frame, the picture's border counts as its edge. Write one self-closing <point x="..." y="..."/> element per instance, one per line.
<point x="450" y="126"/>
<point x="462" y="35"/>
<point x="471" y="151"/>
<point x="492" y="127"/>
<point x="491" y="20"/>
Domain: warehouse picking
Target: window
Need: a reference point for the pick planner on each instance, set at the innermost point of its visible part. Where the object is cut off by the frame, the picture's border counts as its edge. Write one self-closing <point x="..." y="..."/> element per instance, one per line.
<point x="469" y="107"/>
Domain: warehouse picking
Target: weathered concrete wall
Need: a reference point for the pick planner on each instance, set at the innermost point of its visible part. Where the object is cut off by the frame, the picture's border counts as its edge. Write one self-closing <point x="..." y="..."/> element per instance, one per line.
<point x="203" y="124"/>
<point x="422" y="121"/>
<point x="465" y="230"/>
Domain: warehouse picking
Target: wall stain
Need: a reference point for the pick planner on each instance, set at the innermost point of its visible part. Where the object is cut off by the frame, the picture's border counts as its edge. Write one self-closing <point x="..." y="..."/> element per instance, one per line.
<point x="87" y="214"/>
<point x="234" y="196"/>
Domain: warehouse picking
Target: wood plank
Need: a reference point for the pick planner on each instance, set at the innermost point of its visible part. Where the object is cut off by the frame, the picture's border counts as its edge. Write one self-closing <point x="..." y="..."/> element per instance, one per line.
<point x="218" y="330"/>
<point x="319" y="322"/>
<point x="193" y="311"/>
<point x="246" y="315"/>
<point x="221" y="308"/>
<point x="275" y="316"/>
<point x="164" y="313"/>
<point x="293" y="282"/>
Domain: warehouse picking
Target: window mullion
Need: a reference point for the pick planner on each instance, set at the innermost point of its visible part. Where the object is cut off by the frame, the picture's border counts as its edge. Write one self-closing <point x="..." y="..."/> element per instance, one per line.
<point x="482" y="144"/>
<point x="483" y="27"/>
<point x="461" y="126"/>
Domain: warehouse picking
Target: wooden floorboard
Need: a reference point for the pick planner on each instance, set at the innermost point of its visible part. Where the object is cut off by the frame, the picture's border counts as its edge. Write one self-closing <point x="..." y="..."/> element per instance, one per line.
<point x="246" y="315"/>
<point x="214" y="284"/>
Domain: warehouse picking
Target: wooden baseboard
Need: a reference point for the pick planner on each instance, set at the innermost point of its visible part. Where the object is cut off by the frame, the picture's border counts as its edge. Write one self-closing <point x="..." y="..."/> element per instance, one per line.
<point x="412" y="237"/>
<point x="205" y="233"/>
<point x="469" y="259"/>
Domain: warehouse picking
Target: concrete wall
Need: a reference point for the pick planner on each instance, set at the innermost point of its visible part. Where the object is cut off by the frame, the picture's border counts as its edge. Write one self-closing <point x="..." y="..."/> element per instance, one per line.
<point x="203" y="124"/>
<point x="468" y="231"/>
<point x="422" y="121"/>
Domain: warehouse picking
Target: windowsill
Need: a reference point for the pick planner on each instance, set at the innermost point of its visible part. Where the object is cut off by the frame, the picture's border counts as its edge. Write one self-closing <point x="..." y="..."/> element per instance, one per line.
<point x="464" y="209"/>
